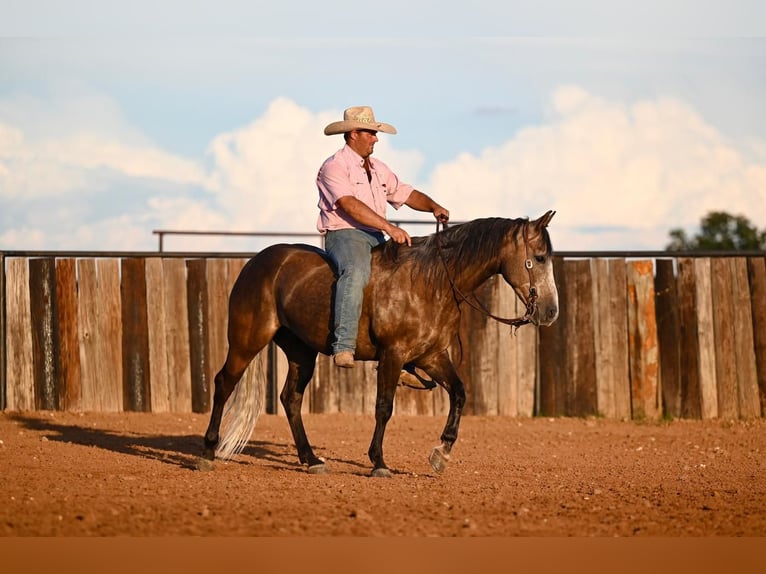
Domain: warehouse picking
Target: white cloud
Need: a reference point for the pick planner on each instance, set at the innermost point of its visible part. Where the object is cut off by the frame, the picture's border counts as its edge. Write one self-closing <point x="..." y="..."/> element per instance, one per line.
<point x="619" y="175"/>
<point x="265" y="173"/>
<point x="49" y="148"/>
<point x="642" y="168"/>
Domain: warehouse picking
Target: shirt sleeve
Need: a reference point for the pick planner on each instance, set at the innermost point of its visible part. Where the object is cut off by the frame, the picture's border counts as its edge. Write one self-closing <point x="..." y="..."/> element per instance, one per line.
<point x="397" y="192"/>
<point x="334" y="182"/>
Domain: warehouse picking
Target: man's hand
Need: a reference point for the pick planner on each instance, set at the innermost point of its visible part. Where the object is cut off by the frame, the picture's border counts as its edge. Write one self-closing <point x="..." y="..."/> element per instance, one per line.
<point x="399" y="235"/>
<point x="421" y="202"/>
<point x="441" y="214"/>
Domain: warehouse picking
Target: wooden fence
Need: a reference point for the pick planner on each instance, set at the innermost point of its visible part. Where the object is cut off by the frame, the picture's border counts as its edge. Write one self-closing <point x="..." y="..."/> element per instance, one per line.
<point x="636" y="338"/>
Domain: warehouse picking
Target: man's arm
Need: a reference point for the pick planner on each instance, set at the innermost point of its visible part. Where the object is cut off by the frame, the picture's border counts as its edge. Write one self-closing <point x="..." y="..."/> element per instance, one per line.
<point x="421" y="202"/>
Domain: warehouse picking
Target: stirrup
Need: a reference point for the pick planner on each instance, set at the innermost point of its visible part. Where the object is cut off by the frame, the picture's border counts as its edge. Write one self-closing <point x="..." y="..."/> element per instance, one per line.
<point x="410" y="378"/>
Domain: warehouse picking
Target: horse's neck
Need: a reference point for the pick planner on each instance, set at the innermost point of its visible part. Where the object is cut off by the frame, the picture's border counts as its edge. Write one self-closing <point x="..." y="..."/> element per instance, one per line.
<point x="471" y="280"/>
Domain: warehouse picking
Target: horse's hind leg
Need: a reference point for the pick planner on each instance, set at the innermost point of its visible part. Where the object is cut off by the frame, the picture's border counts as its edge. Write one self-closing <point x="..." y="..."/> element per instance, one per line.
<point x="301" y="361"/>
<point x="441" y="369"/>
<point x="225" y="381"/>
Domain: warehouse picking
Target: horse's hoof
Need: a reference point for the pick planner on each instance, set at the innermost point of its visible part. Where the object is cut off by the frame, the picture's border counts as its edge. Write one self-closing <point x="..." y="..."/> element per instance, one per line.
<point x="439" y="459"/>
<point x="204" y="464"/>
<point x="381" y="473"/>
<point x="320" y="468"/>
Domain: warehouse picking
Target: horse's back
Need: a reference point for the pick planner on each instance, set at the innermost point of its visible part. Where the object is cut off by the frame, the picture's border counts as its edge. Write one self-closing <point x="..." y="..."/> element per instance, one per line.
<point x="280" y="265"/>
<point x="286" y="285"/>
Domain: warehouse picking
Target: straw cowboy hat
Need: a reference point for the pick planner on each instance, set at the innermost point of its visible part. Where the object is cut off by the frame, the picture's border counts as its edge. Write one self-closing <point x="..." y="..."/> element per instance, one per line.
<point x="358" y="118"/>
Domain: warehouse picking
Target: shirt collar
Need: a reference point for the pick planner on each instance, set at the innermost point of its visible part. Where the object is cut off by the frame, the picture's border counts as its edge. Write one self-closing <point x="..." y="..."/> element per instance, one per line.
<point x="356" y="157"/>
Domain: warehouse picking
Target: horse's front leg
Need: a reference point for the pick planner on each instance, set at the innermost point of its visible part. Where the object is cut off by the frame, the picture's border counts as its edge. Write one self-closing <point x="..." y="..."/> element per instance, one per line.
<point x="389" y="367"/>
<point x="441" y="370"/>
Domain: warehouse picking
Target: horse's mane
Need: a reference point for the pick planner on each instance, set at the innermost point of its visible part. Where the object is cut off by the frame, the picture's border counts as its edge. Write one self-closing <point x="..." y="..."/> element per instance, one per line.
<point x="460" y="247"/>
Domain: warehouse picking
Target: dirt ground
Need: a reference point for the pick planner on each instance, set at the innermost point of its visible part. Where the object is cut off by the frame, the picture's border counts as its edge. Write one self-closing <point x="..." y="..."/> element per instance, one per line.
<point x="70" y="474"/>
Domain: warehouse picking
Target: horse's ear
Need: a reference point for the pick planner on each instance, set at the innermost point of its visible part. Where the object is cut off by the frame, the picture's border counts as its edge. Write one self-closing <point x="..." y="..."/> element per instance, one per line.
<point x="545" y="219"/>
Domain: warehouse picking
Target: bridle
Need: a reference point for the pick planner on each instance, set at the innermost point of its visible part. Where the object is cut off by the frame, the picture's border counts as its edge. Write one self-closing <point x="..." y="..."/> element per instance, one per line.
<point x="474" y="302"/>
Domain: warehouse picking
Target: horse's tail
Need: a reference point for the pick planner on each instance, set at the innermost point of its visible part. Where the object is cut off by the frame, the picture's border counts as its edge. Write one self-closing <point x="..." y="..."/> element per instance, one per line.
<point x="242" y="410"/>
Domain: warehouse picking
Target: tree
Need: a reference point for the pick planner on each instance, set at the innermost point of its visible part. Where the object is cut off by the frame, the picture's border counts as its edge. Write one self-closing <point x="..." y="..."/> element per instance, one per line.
<point x="720" y="231"/>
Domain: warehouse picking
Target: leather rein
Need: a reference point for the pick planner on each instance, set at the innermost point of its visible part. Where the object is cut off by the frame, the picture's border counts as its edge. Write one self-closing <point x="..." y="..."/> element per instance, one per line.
<point x="474" y="302"/>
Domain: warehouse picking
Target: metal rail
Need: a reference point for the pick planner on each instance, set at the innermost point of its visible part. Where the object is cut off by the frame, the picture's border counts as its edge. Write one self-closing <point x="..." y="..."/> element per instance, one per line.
<point x="161" y="233"/>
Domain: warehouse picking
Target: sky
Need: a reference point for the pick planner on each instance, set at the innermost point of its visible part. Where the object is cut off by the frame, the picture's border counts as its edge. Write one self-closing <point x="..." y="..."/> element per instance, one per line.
<point x="628" y="119"/>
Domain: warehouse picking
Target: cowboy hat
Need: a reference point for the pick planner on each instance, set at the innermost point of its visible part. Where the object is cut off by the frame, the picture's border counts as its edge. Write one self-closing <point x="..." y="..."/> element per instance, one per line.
<point x="358" y="118"/>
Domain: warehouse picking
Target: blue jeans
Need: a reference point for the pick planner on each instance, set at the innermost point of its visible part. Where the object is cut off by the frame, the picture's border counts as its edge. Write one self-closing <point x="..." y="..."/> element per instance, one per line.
<point x="350" y="250"/>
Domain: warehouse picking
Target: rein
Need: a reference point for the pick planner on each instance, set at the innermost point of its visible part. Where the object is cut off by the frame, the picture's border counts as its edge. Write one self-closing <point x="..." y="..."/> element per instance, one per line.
<point x="474" y="302"/>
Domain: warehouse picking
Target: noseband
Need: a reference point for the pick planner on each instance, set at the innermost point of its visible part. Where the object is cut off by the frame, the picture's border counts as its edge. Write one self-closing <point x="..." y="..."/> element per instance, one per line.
<point x="474" y="302"/>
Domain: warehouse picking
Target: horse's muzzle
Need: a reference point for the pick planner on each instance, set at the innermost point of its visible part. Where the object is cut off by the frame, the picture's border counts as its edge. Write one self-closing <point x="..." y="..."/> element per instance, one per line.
<point x="546" y="315"/>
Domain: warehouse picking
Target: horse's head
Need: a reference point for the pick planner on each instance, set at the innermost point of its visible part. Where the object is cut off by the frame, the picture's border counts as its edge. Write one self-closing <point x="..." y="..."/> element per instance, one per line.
<point x="527" y="265"/>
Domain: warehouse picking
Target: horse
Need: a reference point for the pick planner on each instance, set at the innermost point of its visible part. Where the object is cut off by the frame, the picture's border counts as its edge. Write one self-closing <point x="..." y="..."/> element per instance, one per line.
<point x="410" y="316"/>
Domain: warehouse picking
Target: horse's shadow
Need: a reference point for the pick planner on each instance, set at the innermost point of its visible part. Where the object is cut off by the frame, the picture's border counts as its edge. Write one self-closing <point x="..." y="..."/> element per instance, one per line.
<point x="178" y="450"/>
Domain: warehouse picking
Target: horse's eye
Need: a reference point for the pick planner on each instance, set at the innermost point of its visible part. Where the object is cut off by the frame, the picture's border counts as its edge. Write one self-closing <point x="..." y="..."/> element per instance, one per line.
<point x="540" y="258"/>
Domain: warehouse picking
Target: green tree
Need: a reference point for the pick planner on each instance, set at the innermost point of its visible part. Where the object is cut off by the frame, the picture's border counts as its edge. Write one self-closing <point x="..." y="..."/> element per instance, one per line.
<point x="720" y="231"/>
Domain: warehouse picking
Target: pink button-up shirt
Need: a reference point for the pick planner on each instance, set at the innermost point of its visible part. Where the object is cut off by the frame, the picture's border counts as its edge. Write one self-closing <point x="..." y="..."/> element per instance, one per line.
<point x="344" y="174"/>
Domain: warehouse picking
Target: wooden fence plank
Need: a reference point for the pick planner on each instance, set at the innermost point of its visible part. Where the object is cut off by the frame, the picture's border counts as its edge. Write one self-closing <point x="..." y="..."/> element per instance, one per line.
<point x="217" y="312"/>
<point x="744" y="342"/>
<point x="526" y="342"/>
<point x="723" y="330"/>
<point x="20" y="386"/>
<point x="196" y="294"/>
<point x="691" y="402"/>
<point x="507" y="365"/>
<point x="42" y="301"/>
<point x="706" y="339"/>
<point x="351" y="390"/>
<point x="66" y="326"/>
<point x="553" y="351"/>
<point x="479" y="350"/>
<point x="618" y="301"/>
<point x="611" y="344"/>
<point x="487" y="360"/>
<point x="602" y="335"/>
<point x="757" y="275"/>
<point x="581" y="380"/>
<point x="87" y="332"/>
<point x="324" y="387"/>
<point x="109" y="358"/>
<point x="135" y="337"/>
<point x="668" y="337"/>
<point x="177" y="334"/>
<point x="157" y="329"/>
<point x="3" y="378"/>
<point x="642" y="336"/>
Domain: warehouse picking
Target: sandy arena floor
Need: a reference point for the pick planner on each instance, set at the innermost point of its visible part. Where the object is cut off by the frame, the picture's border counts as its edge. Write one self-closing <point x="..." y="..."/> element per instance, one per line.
<point x="67" y="474"/>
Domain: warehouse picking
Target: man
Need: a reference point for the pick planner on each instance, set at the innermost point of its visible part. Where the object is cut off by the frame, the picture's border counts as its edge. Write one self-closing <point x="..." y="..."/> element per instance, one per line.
<point x="354" y="190"/>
